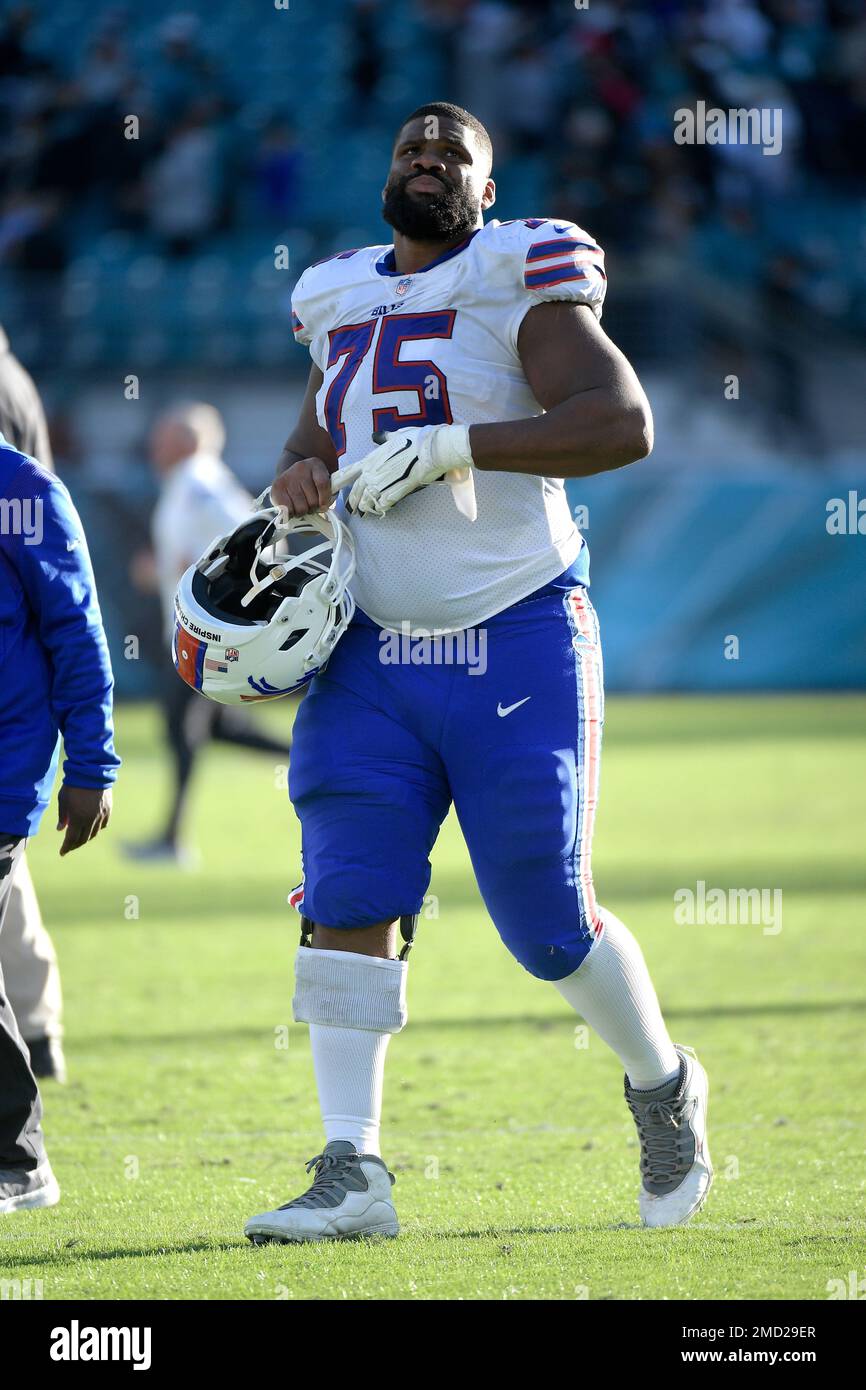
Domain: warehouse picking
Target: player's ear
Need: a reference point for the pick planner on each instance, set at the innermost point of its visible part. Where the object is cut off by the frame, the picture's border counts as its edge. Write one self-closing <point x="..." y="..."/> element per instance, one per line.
<point x="489" y="195"/>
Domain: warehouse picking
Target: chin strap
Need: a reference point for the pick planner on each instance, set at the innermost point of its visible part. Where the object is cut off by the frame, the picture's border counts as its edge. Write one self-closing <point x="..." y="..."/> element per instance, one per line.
<point x="408" y="928"/>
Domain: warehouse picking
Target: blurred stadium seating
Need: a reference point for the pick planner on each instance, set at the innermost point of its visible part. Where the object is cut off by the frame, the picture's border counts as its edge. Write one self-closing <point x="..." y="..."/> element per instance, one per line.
<point x="264" y="127"/>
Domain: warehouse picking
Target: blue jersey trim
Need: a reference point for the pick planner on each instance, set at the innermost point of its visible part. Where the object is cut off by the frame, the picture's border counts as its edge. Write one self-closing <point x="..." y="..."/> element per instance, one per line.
<point x="385" y="265"/>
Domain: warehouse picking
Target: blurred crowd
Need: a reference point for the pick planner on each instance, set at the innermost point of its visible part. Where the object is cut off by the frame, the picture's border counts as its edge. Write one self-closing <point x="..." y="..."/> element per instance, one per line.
<point x="184" y="173"/>
<point x="587" y="91"/>
<point x="593" y="91"/>
<point x="237" y="136"/>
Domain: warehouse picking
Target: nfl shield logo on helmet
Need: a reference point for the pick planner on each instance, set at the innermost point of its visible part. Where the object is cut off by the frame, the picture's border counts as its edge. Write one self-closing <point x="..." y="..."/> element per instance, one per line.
<point x="403" y="285"/>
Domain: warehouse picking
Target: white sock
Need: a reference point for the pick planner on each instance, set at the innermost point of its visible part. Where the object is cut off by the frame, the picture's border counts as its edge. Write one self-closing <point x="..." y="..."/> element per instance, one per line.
<point x="613" y="991"/>
<point x="350" y="1069"/>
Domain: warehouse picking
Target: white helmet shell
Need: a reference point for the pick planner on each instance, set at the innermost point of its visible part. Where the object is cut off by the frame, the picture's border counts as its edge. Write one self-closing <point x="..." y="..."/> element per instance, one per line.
<point x="262" y="610"/>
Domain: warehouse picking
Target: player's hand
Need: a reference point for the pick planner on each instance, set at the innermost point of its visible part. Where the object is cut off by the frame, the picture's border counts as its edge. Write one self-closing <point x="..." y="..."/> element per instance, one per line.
<point x="406" y="460"/>
<point x="82" y="812"/>
<point x="304" y="487"/>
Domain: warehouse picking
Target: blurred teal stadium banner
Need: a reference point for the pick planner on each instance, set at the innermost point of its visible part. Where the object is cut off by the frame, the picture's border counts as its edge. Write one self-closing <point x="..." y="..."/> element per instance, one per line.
<point x="715" y="584"/>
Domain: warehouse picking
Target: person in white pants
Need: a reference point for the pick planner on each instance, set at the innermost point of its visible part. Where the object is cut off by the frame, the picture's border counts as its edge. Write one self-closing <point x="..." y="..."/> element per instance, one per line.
<point x="28" y="963"/>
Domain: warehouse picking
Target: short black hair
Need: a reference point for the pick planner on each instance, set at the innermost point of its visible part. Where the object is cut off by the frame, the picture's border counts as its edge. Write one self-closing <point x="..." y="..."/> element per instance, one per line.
<point x="454" y="113"/>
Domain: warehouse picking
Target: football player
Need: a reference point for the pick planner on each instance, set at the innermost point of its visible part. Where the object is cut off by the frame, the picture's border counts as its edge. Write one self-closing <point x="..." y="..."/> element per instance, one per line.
<point x="475" y="351"/>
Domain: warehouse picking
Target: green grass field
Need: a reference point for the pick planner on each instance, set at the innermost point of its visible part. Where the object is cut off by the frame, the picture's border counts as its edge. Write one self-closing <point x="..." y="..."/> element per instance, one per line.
<point x="514" y="1153"/>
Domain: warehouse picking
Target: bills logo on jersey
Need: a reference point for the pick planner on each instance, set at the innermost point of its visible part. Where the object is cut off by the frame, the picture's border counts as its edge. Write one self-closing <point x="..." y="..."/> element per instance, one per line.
<point x="402" y="286"/>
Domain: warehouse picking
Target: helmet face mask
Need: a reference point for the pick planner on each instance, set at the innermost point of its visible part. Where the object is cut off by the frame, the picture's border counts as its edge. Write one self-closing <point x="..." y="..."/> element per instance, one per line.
<point x="264" y="607"/>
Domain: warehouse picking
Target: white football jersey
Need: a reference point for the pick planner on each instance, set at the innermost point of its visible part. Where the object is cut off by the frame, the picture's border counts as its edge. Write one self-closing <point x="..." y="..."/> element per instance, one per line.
<point x="435" y="347"/>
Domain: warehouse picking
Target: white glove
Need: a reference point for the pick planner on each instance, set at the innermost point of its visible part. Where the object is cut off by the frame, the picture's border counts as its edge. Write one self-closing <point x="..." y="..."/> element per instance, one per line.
<point x="409" y="459"/>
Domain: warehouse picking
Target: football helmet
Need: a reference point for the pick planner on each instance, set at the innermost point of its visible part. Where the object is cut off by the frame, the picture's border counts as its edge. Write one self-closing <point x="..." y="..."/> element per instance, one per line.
<point x="262" y="610"/>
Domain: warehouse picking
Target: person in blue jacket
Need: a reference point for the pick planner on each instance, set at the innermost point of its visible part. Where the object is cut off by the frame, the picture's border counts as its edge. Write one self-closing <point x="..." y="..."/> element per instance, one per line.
<point x="55" y="681"/>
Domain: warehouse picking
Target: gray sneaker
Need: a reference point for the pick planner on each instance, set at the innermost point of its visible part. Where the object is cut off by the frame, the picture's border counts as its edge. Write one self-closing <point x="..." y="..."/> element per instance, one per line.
<point x="674" y="1156"/>
<point x="350" y="1196"/>
<point x="25" y="1191"/>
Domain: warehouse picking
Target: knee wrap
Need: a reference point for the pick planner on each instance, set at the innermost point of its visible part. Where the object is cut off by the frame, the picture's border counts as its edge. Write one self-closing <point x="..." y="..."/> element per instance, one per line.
<point x="347" y="990"/>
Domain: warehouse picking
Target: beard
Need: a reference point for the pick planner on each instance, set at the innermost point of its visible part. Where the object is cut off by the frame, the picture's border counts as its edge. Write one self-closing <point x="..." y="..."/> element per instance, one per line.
<point x="429" y="216"/>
